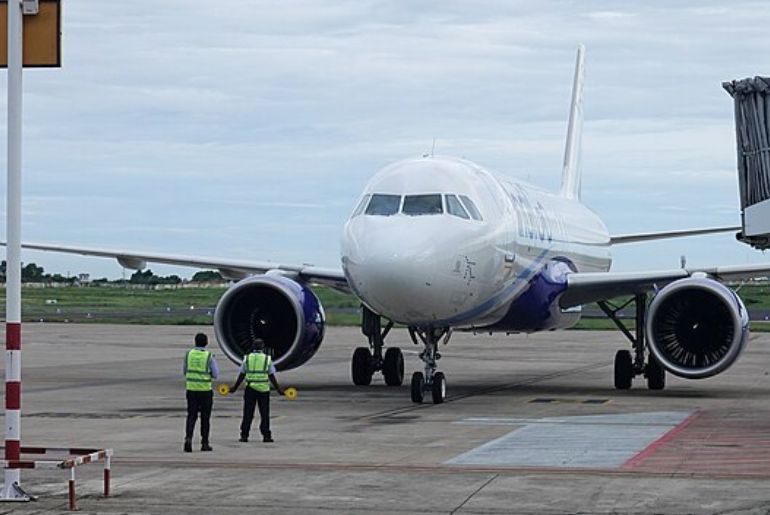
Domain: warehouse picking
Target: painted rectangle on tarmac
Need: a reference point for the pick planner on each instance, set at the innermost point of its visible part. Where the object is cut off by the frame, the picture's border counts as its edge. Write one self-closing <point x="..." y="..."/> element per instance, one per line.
<point x="593" y="441"/>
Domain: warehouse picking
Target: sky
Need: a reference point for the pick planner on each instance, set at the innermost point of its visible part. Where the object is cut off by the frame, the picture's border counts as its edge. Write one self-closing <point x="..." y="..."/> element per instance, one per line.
<point x="247" y="129"/>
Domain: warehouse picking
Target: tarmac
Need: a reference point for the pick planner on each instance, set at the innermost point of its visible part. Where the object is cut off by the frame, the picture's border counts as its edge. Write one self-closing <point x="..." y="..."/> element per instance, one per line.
<point x="532" y="424"/>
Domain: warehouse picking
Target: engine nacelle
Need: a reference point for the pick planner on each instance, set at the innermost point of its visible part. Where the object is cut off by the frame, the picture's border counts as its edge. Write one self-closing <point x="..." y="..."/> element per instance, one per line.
<point x="697" y="327"/>
<point x="285" y="314"/>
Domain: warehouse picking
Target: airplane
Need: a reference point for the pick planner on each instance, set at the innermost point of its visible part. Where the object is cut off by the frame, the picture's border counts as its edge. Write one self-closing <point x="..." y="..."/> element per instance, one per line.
<point x="440" y="244"/>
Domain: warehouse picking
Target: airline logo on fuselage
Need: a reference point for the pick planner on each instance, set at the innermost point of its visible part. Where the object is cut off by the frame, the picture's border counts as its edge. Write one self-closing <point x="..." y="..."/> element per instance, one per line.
<point x="532" y="220"/>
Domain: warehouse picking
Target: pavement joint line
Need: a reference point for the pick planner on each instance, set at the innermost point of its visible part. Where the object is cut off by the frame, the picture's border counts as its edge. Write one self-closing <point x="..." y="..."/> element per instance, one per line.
<point x="450" y="470"/>
<point x="492" y="389"/>
<point x="479" y="489"/>
<point x="545" y="421"/>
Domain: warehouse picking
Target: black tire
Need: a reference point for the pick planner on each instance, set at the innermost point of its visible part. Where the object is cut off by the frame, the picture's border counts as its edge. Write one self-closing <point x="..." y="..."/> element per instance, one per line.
<point x="418" y="386"/>
<point x="438" y="388"/>
<point x="656" y="374"/>
<point x="393" y="367"/>
<point x="361" y="366"/>
<point x="624" y="370"/>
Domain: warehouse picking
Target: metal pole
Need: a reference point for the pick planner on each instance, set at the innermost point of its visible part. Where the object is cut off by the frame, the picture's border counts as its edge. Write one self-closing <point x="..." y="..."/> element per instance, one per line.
<point x="107" y="475"/>
<point x="71" y="489"/>
<point x="11" y="487"/>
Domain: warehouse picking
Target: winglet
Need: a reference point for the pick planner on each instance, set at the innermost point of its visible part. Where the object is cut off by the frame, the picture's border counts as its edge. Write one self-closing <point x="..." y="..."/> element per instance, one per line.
<point x="570" y="178"/>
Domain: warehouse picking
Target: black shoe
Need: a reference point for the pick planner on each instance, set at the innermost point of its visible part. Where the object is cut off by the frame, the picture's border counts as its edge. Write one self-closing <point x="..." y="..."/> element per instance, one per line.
<point x="187" y="445"/>
<point x="268" y="439"/>
<point x="243" y="439"/>
<point x="206" y="447"/>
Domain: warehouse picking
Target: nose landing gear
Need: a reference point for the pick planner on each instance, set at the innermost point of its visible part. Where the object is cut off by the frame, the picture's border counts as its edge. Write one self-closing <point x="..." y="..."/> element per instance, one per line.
<point x="431" y="380"/>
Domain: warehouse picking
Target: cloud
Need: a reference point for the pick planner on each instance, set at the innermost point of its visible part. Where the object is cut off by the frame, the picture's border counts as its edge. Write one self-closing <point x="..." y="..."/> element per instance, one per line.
<point x="239" y="120"/>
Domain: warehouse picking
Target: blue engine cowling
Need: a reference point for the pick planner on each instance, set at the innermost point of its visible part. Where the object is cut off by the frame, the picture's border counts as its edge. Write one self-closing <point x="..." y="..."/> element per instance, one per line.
<point x="285" y="314"/>
<point x="697" y="327"/>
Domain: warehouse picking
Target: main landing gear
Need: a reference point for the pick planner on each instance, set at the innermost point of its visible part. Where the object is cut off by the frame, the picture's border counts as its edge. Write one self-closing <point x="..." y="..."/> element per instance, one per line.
<point x="367" y="361"/>
<point x="431" y="381"/>
<point x="626" y="366"/>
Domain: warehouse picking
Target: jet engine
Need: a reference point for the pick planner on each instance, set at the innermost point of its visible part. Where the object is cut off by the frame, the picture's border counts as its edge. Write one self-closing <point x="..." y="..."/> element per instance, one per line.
<point x="697" y="327"/>
<point x="287" y="315"/>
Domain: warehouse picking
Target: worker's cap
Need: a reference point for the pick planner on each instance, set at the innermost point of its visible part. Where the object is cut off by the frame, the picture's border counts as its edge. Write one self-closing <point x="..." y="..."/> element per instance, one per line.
<point x="201" y="340"/>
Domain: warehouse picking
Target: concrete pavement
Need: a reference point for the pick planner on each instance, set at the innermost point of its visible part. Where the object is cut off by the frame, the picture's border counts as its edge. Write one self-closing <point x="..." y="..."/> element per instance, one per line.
<point x="346" y="449"/>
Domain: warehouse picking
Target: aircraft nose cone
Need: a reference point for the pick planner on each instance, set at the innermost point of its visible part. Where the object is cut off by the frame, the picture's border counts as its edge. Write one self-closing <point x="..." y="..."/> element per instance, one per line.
<point x="386" y="278"/>
<point x="394" y="274"/>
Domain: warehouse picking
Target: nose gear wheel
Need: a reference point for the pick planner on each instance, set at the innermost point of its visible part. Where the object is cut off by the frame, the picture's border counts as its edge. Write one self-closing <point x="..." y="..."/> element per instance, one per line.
<point x="430" y="380"/>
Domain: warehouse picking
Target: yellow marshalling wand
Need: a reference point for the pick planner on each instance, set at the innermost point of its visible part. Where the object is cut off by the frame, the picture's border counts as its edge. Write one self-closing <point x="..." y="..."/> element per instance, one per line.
<point x="223" y="389"/>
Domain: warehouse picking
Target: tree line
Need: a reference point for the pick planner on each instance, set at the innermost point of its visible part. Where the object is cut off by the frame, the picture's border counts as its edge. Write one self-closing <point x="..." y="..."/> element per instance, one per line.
<point x="32" y="273"/>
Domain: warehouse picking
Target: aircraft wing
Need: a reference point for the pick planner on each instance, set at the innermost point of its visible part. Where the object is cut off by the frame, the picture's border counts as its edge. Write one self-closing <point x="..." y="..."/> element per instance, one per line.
<point x="228" y="268"/>
<point x="583" y="288"/>
<point x="649" y="236"/>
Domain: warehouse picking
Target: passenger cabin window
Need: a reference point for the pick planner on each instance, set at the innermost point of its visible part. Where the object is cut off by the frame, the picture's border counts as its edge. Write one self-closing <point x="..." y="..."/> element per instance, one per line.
<point x="360" y="207"/>
<point x="454" y="207"/>
<point x="383" y="205"/>
<point x="472" y="209"/>
<point x="416" y="205"/>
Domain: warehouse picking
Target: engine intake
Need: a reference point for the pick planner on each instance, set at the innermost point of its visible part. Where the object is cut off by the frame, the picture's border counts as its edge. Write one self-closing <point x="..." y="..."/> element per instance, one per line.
<point x="697" y="327"/>
<point x="285" y="314"/>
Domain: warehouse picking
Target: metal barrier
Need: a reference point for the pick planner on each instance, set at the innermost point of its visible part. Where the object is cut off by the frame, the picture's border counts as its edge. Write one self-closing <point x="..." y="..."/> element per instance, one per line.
<point x="64" y="458"/>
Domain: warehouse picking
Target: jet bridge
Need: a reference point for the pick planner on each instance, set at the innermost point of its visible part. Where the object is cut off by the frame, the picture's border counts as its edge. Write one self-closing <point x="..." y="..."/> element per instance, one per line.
<point x="752" y="132"/>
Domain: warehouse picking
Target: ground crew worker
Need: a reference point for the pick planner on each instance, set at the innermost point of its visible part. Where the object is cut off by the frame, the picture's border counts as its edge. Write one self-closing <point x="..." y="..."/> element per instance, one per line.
<point x="258" y="370"/>
<point x="200" y="367"/>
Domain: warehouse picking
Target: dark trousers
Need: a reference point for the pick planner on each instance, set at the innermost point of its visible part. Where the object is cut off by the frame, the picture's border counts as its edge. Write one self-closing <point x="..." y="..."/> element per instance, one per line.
<point x="251" y="397"/>
<point x="199" y="402"/>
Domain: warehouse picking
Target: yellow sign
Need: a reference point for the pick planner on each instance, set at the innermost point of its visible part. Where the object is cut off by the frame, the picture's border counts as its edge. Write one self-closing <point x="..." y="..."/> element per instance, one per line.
<point x="290" y="393"/>
<point x="42" y="36"/>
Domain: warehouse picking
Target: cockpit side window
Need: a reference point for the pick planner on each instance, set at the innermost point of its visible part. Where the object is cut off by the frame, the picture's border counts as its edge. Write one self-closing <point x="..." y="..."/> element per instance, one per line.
<point x="361" y="205"/>
<point x="454" y="207"/>
<point x="416" y="205"/>
<point x="472" y="209"/>
<point x="383" y="205"/>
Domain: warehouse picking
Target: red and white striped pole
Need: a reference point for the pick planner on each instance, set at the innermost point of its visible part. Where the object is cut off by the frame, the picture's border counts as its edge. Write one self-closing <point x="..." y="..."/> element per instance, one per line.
<point x="11" y="488"/>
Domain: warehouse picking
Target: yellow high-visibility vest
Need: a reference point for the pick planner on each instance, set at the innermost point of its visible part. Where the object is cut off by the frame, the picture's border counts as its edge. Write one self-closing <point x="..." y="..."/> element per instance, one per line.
<point x="257" y="365"/>
<point x="198" y="374"/>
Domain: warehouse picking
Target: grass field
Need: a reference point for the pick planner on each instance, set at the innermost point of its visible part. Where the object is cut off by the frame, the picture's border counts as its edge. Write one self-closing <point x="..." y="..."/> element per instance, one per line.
<point x="182" y="306"/>
<point x="188" y="306"/>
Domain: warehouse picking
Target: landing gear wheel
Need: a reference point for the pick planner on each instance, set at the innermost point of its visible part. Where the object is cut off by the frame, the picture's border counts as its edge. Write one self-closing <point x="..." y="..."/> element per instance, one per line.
<point x="418" y="385"/>
<point x="361" y="366"/>
<point x="624" y="370"/>
<point x="656" y="374"/>
<point x="438" y="388"/>
<point x="393" y="367"/>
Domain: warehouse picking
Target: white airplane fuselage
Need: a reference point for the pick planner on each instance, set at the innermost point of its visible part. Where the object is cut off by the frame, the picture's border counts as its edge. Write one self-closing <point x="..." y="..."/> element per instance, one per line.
<point x="502" y="272"/>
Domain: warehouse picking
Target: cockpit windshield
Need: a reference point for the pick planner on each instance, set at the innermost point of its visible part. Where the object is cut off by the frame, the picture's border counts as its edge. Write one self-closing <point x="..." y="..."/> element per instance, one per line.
<point x="415" y="205"/>
<point x="383" y="205"/>
<point x="361" y="205"/>
<point x="472" y="209"/>
<point x="454" y="207"/>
